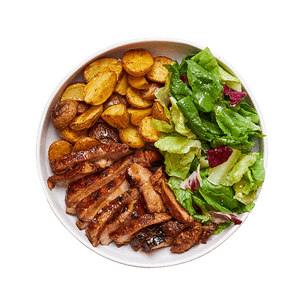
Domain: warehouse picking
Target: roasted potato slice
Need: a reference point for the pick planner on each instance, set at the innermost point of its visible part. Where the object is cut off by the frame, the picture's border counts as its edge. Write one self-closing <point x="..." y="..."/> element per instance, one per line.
<point x="137" y="62"/>
<point x="103" y="65"/>
<point x="135" y="100"/>
<point x="58" y="148"/>
<point x="150" y="92"/>
<point x="114" y="99"/>
<point x="104" y="133"/>
<point x="122" y="84"/>
<point x="74" y="91"/>
<point x="87" y="119"/>
<point x="100" y="88"/>
<point x="159" y="113"/>
<point x="131" y="137"/>
<point x="85" y="143"/>
<point x="147" y="131"/>
<point x="139" y="83"/>
<point x="158" y="72"/>
<point x="116" y="116"/>
<point x="82" y="107"/>
<point x="63" y="113"/>
<point x="137" y="115"/>
<point x="72" y="136"/>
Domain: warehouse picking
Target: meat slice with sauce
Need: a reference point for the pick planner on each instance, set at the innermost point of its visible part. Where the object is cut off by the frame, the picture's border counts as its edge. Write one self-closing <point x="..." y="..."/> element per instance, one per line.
<point x="124" y="233"/>
<point x="139" y="238"/>
<point x="139" y="177"/>
<point x="187" y="238"/>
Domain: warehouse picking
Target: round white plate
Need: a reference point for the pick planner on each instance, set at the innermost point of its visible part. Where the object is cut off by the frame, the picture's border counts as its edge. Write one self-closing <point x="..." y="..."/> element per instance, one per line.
<point x="176" y="50"/>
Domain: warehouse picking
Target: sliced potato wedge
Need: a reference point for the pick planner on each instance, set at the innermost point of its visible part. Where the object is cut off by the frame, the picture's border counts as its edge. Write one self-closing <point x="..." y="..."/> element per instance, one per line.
<point x="74" y="91"/>
<point x="158" y="72"/>
<point x="137" y="62"/>
<point x="137" y="115"/>
<point x="82" y="107"/>
<point x="122" y="84"/>
<point x="159" y="113"/>
<point x="63" y="113"/>
<point x="147" y="131"/>
<point x="72" y="136"/>
<point x="116" y="116"/>
<point x="100" y="88"/>
<point x="114" y="99"/>
<point x="150" y="92"/>
<point x="87" y="119"/>
<point x="135" y="100"/>
<point x="139" y="83"/>
<point x="58" y="148"/>
<point x="85" y="143"/>
<point x="103" y="65"/>
<point x="131" y="137"/>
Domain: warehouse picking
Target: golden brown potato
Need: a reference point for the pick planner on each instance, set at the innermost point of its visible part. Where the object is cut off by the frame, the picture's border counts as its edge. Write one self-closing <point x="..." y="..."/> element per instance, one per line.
<point x="74" y="91"/>
<point x="135" y="100"/>
<point x="100" y="88"/>
<point x="158" y="72"/>
<point x="85" y="143"/>
<point x="131" y="137"/>
<point x="150" y="92"/>
<point x="87" y="119"/>
<point x="139" y="83"/>
<point x="122" y="84"/>
<point x="63" y="113"/>
<point x="58" y="148"/>
<point x="114" y="99"/>
<point x="137" y="62"/>
<point x="147" y="131"/>
<point x="158" y="112"/>
<point x="116" y="116"/>
<point x="103" y="65"/>
<point x="104" y="133"/>
<point x="72" y="136"/>
<point x="82" y="107"/>
<point x="137" y="115"/>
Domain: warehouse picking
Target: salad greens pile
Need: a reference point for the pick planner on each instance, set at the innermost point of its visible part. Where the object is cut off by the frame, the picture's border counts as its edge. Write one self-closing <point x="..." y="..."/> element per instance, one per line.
<point x="207" y="145"/>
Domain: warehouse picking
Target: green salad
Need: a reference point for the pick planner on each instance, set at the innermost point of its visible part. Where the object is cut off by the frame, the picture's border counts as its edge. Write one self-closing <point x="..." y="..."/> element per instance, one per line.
<point x="207" y="146"/>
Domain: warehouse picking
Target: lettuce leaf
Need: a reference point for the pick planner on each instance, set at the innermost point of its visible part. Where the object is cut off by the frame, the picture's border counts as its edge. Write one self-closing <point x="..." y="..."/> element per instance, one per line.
<point x="229" y="80"/>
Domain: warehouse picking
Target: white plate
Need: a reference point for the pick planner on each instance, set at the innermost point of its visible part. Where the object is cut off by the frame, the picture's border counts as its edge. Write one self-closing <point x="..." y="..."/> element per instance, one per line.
<point x="175" y="49"/>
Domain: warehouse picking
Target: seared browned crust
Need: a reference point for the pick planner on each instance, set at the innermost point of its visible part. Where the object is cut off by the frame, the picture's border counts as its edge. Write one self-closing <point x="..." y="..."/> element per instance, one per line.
<point x="111" y="151"/>
<point x="164" y="235"/>
<point x="139" y="177"/>
<point x="124" y="233"/>
<point x="83" y="187"/>
<point x="106" y="214"/>
<point x="138" y="238"/>
<point x="207" y="232"/>
<point x="187" y="238"/>
<point x="148" y="158"/>
<point x="90" y="205"/>
<point x="73" y="174"/>
<point x="175" y="208"/>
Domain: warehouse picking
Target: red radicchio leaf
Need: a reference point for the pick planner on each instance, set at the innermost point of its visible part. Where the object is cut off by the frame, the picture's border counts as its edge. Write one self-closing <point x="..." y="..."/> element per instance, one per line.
<point x="193" y="181"/>
<point x="219" y="155"/>
<point x="222" y="217"/>
<point x="184" y="78"/>
<point x="235" y="97"/>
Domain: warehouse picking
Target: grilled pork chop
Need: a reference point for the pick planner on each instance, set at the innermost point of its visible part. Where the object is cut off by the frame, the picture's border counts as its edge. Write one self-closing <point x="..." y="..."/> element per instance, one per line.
<point x="106" y="214"/>
<point x="207" y="232"/>
<point x="139" y="177"/>
<point x="187" y="238"/>
<point x="85" y="186"/>
<point x="125" y="232"/>
<point x="113" y="151"/>
<point x="138" y="238"/>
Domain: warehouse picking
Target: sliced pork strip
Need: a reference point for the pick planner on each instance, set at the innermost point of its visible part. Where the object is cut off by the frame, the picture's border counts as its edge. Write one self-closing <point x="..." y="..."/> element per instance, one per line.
<point x="106" y="214"/>
<point x="164" y="235"/>
<point x="90" y="205"/>
<point x="114" y="151"/>
<point x="207" y="232"/>
<point x="187" y="238"/>
<point x="139" y="177"/>
<point x="138" y="238"/>
<point x="175" y="208"/>
<point x="79" y="171"/>
<point x="83" y="187"/>
<point x="124" y="233"/>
